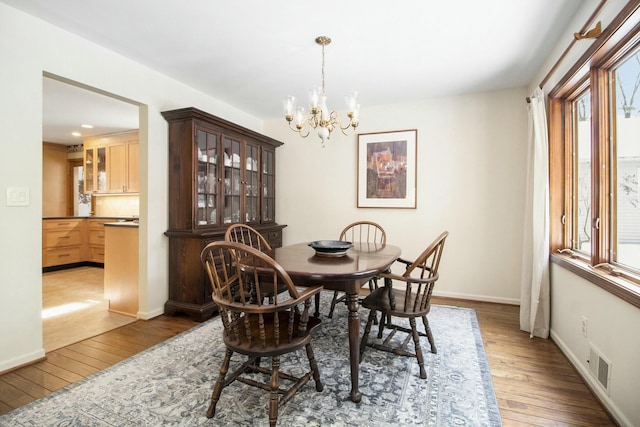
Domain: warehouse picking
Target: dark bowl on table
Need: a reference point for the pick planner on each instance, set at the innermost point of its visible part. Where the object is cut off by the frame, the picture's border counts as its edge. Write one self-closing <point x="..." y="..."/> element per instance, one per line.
<point x="332" y="248"/>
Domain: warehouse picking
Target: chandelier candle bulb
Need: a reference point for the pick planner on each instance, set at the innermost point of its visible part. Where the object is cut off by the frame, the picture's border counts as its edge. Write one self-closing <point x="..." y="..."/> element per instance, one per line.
<point x="351" y="100"/>
<point x="289" y="107"/>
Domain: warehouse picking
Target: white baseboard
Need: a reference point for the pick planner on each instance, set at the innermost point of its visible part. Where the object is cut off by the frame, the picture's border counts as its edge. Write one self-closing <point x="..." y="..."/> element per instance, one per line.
<point x="23" y="360"/>
<point x="472" y="297"/>
<point x="593" y="384"/>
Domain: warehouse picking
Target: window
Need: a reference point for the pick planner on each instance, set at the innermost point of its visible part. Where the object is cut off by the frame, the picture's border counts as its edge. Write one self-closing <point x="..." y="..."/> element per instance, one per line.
<point x="581" y="159"/>
<point x="594" y="119"/>
<point x="625" y="246"/>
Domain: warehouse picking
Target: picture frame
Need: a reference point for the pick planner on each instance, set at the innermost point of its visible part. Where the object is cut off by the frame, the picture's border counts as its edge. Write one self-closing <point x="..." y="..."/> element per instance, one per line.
<point x="386" y="169"/>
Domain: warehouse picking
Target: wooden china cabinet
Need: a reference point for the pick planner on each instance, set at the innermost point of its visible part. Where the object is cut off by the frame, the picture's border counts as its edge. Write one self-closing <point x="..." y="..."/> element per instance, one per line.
<point x="219" y="174"/>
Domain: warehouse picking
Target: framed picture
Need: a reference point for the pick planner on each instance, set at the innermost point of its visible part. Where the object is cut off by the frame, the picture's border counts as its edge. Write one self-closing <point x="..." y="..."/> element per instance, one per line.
<point x="387" y="169"/>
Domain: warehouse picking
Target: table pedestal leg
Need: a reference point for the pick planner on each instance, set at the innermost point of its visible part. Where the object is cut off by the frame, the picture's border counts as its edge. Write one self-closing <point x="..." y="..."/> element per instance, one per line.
<point x="354" y="345"/>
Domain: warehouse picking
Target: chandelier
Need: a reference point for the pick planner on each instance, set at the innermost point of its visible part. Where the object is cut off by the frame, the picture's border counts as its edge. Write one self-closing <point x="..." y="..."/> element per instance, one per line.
<point x="319" y="117"/>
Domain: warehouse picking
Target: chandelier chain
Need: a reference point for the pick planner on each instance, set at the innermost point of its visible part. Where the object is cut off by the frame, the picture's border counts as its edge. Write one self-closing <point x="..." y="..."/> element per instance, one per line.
<point x="323" y="71"/>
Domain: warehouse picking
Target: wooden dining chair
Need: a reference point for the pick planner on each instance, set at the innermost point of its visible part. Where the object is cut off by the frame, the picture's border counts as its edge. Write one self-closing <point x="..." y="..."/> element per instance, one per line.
<point x="259" y="328"/>
<point x="247" y="235"/>
<point x="364" y="232"/>
<point x="412" y="301"/>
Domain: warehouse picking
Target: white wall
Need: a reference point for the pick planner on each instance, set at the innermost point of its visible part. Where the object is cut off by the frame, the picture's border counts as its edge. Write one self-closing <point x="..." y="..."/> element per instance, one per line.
<point x="28" y="48"/>
<point x="612" y="323"/>
<point x="471" y="154"/>
<point x="611" y="329"/>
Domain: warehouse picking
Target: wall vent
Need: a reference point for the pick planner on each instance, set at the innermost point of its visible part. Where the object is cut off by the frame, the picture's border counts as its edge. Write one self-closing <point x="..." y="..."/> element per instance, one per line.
<point x="599" y="367"/>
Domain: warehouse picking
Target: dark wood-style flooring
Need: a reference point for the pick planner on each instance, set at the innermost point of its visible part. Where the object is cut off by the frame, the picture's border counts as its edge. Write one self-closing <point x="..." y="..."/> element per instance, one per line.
<point x="534" y="382"/>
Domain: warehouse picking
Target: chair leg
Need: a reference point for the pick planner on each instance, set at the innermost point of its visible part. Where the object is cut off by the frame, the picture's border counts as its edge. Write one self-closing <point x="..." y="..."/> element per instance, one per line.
<point x="416" y="341"/>
<point x="427" y="329"/>
<point x="273" y="397"/>
<point x="317" y="306"/>
<point x="314" y="367"/>
<point x="382" y="323"/>
<point x="217" y="390"/>
<point x="373" y="284"/>
<point x="367" y="330"/>
<point x="333" y="304"/>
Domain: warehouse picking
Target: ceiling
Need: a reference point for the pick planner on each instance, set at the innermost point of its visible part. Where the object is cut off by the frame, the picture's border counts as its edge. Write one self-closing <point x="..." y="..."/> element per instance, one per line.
<point x="252" y="54"/>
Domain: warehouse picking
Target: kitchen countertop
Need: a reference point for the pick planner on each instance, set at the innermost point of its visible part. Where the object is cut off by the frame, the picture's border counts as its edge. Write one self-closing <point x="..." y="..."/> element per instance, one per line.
<point x="133" y="224"/>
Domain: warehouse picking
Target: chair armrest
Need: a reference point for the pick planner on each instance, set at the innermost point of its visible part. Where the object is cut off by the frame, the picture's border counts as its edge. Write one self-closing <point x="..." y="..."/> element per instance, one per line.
<point x="404" y="261"/>
<point x="409" y="279"/>
<point x="270" y="308"/>
<point x="309" y="292"/>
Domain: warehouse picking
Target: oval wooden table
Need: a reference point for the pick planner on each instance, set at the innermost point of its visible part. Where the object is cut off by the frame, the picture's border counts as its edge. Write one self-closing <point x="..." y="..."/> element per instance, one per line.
<point x="346" y="273"/>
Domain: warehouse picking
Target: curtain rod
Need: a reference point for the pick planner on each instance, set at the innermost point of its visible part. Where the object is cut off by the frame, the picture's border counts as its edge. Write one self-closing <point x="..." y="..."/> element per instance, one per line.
<point x="577" y="36"/>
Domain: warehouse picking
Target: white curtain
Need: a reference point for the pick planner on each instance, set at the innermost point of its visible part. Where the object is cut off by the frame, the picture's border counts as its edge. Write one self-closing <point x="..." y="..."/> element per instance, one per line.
<point x="534" y="292"/>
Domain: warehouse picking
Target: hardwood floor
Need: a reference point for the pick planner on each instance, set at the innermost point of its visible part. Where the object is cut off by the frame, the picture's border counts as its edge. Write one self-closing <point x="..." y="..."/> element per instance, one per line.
<point x="534" y="382"/>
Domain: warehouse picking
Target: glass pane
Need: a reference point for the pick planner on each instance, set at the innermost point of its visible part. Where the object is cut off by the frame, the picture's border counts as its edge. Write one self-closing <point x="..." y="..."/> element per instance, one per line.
<point x="206" y="143"/>
<point x="232" y="174"/>
<point x="89" y="162"/>
<point x="626" y="200"/>
<point x="268" y="182"/>
<point x="202" y="145"/>
<point x="102" y="168"/>
<point x="582" y="165"/>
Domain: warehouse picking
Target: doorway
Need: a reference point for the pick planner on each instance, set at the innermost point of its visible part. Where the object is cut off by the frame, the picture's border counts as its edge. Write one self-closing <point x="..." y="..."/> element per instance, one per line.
<point x="74" y="307"/>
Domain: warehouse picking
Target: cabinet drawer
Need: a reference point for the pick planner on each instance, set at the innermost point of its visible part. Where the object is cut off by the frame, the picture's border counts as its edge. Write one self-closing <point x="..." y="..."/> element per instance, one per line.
<point x="61" y="256"/>
<point x="96" y="254"/>
<point x="97" y="224"/>
<point x="96" y="237"/>
<point x="274" y="238"/>
<point x="57" y="224"/>
<point x="60" y="238"/>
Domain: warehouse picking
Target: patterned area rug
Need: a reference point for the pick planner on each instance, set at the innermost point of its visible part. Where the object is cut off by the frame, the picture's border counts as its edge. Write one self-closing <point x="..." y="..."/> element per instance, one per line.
<point x="171" y="383"/>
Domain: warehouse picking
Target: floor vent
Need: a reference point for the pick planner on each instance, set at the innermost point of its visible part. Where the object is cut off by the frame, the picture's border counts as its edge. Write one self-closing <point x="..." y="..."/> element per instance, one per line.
<point x="599" y="367"/>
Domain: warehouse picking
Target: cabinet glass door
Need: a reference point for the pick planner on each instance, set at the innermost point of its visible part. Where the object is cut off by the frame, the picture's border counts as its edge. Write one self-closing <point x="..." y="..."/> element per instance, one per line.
<point x="232" y="180"/>
<point x="95" y="161"/>
<point x="207" y="152"/>
<point x="101" y="167"/>
<point x="89" y="168"/>
<point x="268" y="186"/>
<point x="252" y="183"/>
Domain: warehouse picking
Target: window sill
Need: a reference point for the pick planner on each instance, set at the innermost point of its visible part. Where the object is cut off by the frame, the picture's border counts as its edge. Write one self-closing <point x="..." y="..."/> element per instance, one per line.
<point x="623" y="288"/>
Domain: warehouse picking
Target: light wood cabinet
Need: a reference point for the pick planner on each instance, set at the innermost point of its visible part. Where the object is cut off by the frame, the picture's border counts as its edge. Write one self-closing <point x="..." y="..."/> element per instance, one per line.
<point x="133" y="167"/>
<point x="62" y="241"/>
<point x="111" y="163"/>
<point x="96" y="238"/>
<point x="121" y="268"/>
<point x="73" y="240"/>
<point x="56" y="175"/>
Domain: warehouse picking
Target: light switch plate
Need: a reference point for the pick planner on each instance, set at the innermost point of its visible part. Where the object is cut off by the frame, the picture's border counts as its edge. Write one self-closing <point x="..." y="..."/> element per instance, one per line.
<point x="17" y="196"/>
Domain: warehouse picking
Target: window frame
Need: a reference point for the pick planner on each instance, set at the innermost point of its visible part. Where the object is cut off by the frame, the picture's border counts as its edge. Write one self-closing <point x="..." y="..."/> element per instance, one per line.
<point x="592" y="72"/>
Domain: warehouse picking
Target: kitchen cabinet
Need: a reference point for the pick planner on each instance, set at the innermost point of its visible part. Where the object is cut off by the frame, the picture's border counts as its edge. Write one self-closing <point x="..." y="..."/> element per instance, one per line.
<point x="95" y="240"/>
<point x="67" y="241"/>
<point x="111" y="163"/>
<point x="121" y="267"/>
<point x="62" y="241"/>
<point x="219" y="174"/>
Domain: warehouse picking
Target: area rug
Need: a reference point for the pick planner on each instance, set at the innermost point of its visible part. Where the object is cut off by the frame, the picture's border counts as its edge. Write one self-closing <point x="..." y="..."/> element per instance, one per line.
<point x="170" y="384"/>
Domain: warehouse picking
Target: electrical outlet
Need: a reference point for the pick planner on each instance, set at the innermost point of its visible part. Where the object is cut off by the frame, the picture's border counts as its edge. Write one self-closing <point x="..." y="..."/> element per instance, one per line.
<point x="584" y="326"/>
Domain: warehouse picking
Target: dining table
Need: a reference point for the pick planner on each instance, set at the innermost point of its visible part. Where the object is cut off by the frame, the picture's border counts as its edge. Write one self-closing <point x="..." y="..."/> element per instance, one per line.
<point x="346" y="273"/>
